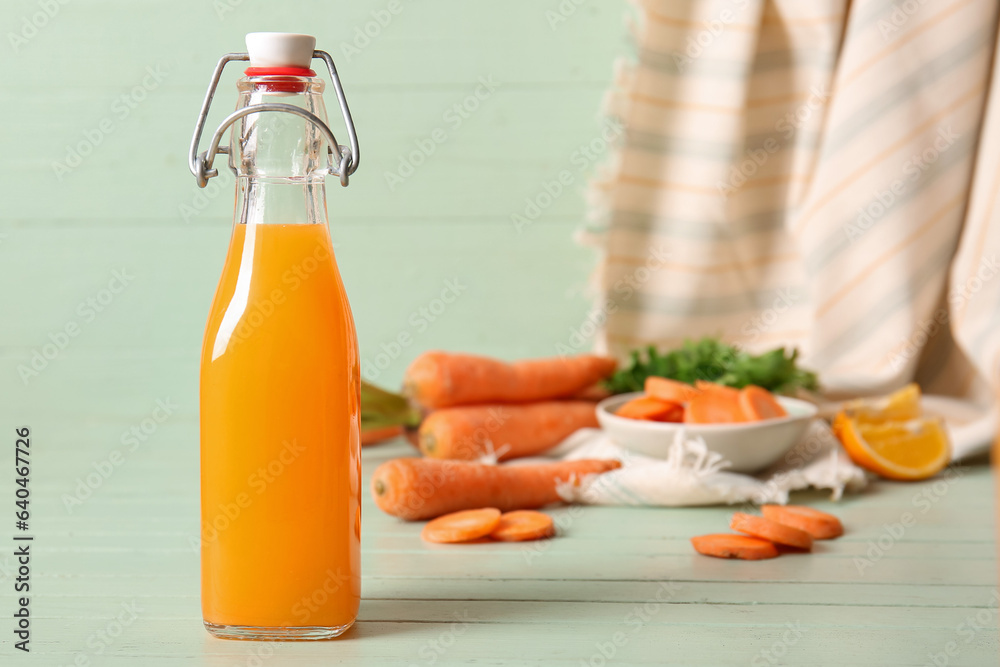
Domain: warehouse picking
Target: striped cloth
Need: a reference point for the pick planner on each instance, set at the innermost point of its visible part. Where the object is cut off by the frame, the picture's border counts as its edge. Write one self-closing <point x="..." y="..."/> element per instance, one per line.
<point x="819" y="174"/>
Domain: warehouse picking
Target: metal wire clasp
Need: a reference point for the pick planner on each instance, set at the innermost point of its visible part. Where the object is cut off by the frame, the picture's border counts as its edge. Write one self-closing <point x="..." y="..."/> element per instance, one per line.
<point x="348" y="157"/>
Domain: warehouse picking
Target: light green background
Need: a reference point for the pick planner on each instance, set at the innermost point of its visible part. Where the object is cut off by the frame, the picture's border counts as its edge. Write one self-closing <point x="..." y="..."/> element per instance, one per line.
<point x="134" y="535"/>
<point x="122" y="207"/>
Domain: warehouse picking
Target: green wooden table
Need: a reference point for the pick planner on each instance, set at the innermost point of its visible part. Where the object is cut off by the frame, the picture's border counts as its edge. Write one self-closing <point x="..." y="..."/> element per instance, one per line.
<point x="116" y="580"/>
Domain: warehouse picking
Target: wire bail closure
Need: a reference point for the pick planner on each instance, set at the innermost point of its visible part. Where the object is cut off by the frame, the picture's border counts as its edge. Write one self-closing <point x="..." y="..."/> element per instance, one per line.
<point x="201" y="164"/>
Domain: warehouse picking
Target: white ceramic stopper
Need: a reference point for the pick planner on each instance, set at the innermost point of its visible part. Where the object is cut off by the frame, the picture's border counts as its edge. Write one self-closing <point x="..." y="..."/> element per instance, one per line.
<point x="280" y="49"/>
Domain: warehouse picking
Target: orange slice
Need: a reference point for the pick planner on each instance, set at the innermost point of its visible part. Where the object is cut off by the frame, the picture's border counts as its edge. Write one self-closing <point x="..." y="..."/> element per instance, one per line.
<point x="904" y="450"/>
<point x="901" y="405"/>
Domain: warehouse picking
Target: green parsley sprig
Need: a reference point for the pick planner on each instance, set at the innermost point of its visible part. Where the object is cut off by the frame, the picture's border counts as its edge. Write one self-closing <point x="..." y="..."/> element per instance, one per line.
<point x="711" y="359"/>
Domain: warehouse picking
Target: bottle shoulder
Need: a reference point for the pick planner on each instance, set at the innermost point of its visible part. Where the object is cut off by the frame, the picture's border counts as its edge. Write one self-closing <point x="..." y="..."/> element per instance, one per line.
<point x="279" y="288"/>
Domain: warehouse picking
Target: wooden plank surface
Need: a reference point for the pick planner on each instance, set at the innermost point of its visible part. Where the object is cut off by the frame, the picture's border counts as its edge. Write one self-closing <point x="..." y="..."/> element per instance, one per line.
<point x="612" y="570"/>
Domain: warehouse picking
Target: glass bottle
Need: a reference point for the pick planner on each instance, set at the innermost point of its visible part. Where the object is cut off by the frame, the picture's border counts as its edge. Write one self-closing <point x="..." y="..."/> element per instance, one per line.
<point x="280" y="433"/>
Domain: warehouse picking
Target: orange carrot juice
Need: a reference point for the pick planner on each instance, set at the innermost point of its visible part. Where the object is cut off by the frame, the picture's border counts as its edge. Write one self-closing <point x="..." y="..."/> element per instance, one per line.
<point x="280" y="458"/>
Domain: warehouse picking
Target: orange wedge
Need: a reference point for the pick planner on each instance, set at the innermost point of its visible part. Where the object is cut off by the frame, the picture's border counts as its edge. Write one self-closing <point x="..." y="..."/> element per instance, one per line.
<point x="904" y="450"/>
<point x="901" y="405"/>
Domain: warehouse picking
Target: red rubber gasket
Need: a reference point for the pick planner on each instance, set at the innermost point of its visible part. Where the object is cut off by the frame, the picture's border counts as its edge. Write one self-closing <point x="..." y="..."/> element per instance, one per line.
<point x="279" y="71"/>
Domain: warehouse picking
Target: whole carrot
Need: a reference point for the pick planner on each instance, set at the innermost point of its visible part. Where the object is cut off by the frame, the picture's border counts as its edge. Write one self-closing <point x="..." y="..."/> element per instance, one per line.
<point x="594" y="393"/>
<point x="511" y="431"/>
<point x="443" y="379"/>
<point x="416" y="489"/>
<point x="380" y="434"/>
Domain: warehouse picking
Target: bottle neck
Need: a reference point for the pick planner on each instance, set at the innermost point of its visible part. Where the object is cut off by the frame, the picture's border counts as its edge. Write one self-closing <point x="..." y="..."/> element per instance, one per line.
<point x="280" y="158"/>
<point x="262" y="201"/>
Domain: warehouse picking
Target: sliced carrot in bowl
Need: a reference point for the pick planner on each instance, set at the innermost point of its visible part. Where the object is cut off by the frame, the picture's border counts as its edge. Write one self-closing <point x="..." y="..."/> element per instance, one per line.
<point x="758" y="404"/>
<point x="716" y="388"/>
<point x="713" y="408"/>
<point x="649" y="408"/>
<point x="666" y="389"/>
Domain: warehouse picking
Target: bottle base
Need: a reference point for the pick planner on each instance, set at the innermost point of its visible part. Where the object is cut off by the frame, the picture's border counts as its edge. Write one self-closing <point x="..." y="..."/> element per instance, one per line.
<point x="278" y="634"/>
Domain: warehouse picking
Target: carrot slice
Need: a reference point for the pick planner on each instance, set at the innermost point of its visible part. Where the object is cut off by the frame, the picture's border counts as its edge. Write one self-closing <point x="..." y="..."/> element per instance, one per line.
<point x="758" y="403"/>
<point x="758" y="526"/>
<point x="820" y="525"/>
<point x="724" y="545"/>
<point x="651" y="409"/>
<point x="523" y="525"/>
<point x="713" y="408"/>
<point x="676" y="415"/>
<point x="716" y="388"/>
<point x="666" y="389"/>
<point x="463" y="526"/>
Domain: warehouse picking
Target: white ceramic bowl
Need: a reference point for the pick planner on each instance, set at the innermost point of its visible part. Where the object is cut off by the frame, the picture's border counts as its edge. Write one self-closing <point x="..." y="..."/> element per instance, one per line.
<point x="749" y="447"/>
